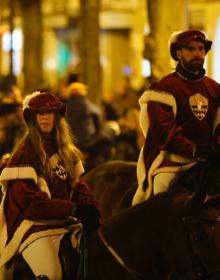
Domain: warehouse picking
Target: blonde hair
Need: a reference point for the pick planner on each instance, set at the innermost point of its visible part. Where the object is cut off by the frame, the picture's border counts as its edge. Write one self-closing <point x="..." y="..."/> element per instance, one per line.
<point x="67" y="150"/>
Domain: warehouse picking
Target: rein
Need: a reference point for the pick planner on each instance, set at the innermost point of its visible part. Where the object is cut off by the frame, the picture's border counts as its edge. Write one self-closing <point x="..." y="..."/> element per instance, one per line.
<point x="133" y="273"/>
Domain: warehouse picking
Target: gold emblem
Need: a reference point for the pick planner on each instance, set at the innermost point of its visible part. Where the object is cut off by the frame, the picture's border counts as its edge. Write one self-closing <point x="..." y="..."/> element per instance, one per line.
<point x="199" y="105"/>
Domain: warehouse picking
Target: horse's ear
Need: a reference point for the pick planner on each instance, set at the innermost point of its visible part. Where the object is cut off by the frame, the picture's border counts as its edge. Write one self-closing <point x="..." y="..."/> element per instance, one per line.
<point x="194" y="202"/>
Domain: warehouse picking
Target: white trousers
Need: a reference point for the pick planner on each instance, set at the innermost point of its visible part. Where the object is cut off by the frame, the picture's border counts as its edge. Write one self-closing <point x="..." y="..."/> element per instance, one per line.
<point x="42" y="257"/>
<point x="161" y="181"/>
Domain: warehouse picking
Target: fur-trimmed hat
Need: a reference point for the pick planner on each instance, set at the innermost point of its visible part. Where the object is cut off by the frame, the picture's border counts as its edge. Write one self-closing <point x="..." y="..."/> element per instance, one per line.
<point x="39" y="101"/>
<point x="181" y="39"/>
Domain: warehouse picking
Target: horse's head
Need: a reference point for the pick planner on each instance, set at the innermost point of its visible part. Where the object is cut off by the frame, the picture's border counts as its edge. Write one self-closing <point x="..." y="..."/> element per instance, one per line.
<point x="194" y="247"/>
<point x="174" y="234"/>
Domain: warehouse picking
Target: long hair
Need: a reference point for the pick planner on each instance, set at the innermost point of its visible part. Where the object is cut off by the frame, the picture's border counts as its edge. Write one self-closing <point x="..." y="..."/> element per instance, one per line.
<point x="67" y="150"/>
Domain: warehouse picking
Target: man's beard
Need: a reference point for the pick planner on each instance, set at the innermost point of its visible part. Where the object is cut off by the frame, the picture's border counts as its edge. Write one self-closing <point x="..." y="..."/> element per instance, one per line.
<point x="195" y="65"/>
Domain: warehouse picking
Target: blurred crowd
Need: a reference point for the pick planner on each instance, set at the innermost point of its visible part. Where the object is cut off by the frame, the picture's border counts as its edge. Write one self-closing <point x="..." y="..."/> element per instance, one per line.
<point x="11" y="121"/>
<point x="107" y="132"/>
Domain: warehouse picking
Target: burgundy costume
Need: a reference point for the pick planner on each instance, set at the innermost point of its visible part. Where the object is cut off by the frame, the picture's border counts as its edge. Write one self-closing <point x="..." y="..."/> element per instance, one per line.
<point x="38" y="206"/>
<point x="177" y="113"/>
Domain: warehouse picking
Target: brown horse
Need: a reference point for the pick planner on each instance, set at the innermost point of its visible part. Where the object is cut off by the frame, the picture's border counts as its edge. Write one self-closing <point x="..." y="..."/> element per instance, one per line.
<point x="174" y="235"/>
<point x="114" y="184"/>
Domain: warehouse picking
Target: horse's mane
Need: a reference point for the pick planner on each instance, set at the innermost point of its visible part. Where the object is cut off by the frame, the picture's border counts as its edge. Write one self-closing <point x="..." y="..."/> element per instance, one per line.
<point x="203" y="176"/>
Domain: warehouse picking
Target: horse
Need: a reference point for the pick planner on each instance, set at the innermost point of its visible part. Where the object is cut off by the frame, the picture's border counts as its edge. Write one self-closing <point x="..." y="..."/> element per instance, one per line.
<point x="172" y="235"/>
<point x="114" y="183"/>
<point x="179" y="227"/>
<point x="203" y="176"/>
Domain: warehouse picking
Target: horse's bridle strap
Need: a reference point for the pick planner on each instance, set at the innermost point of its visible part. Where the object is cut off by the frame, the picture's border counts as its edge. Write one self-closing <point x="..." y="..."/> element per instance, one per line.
<point x="131" y="271"/>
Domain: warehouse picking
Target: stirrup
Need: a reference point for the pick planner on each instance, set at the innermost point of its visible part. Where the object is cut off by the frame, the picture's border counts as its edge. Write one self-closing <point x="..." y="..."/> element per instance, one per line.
<point x="41" y="277"/>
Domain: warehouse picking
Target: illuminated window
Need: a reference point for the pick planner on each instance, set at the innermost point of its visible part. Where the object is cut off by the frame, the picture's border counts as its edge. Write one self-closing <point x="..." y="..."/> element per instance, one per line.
<point x="17" y="45"/>
<point x="216" y="54"/>
<point x="146" y="68"/>
<point x="64" y="57"/>
<point x="16" y="40"/>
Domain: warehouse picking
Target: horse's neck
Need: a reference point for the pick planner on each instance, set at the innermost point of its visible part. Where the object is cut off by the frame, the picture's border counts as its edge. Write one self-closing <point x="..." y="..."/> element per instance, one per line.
<point x="149" y="238"/>
<point x="138" y="231"/>
<point x="139" y="218"/>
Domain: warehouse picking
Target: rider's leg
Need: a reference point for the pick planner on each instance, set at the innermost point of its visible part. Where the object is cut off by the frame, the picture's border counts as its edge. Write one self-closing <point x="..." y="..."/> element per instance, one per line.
<point x="42" y="257"/>
<point x="161" y="182"/>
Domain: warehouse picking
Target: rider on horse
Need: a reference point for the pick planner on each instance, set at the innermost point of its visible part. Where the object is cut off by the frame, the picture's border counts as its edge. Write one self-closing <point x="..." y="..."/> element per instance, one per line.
<point x="179" y="117"/>
<point x="43" y="191"/>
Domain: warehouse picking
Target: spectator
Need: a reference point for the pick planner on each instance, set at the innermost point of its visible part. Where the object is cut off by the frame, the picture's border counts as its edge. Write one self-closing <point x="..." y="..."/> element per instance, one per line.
<point x="11" y="125"/>
<point x="93" y="137"/>
<point x="130" y="139"/>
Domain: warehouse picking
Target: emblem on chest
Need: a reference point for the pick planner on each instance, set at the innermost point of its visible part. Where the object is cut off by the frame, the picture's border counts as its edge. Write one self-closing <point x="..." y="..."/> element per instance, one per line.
<point x="199" y="105"/>
<point x="57" y="167"/>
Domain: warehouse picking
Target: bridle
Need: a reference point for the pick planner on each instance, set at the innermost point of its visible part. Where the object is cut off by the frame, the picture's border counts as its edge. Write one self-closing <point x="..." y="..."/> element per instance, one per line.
<point x="200" y="269"/>
<point x="132" y="272"/>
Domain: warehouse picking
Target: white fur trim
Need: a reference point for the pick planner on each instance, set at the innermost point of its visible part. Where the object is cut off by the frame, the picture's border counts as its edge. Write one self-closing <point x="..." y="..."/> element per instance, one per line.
<point x="8" y="251"/>
<point x="42" y="184"/>
<point x="142" y="195"/>
<point x="10" y="173"/>
<point x="141" y="171"/>
<point x="28" y="98"/>
<point x="159" y="97"/>
<point x="173" y="37"/>
<point x="13" y="173"/>
<point x="155" y="96"/>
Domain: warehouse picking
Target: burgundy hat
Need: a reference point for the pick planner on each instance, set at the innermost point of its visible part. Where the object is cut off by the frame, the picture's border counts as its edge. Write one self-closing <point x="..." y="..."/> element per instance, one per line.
<point x="39" y="101"/>
<point x="181" y="39"/>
